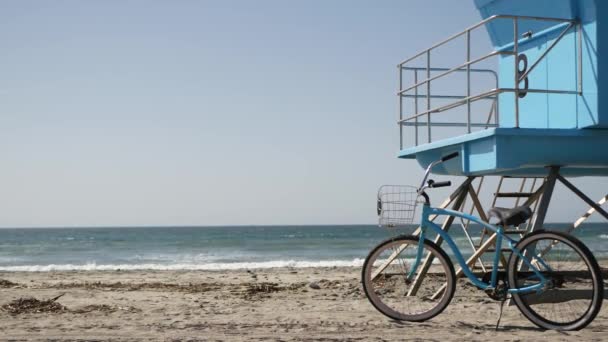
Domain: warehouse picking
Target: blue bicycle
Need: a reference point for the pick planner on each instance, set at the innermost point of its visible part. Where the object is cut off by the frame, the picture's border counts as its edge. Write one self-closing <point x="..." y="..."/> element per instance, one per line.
<point x="553" y="278"/>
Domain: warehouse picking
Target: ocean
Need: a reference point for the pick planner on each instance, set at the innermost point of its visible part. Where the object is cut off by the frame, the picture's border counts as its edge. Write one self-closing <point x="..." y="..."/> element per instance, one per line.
<point x="214" y="248"/>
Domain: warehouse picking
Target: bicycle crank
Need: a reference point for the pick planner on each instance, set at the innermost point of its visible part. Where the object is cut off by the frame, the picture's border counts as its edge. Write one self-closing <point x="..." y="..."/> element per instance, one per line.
<point x="500" y="291"/>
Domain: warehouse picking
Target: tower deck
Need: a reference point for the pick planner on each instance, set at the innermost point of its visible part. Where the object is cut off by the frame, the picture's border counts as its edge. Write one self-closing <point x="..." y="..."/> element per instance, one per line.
<point x="518" y="152"/>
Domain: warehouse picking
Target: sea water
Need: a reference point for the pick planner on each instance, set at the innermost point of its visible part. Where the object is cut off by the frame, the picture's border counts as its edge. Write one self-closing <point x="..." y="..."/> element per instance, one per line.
<point x="216" y="248"/>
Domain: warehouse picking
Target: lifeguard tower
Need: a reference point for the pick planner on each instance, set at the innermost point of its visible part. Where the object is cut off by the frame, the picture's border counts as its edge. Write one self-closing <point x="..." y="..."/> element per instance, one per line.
<point x="537" y="116"/>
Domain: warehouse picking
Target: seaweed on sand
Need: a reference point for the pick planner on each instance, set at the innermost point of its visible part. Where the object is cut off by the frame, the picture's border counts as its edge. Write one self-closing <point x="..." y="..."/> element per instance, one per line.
<point x="33" y="305"/>
<point x="264" y="289"/>
<point x="104" y="308"/>
<point x="7" y="283"/>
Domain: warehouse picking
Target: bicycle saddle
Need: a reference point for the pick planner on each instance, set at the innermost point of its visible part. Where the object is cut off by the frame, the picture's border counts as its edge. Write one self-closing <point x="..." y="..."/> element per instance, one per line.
<point x="511" y="217"/>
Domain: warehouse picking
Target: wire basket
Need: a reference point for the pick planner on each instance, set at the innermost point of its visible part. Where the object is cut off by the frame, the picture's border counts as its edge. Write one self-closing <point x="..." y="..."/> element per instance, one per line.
<point x="397" y="205"/>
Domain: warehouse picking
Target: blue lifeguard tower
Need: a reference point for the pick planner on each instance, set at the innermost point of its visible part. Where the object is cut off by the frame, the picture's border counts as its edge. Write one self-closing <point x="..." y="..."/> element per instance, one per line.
<point x="539" y="114"/>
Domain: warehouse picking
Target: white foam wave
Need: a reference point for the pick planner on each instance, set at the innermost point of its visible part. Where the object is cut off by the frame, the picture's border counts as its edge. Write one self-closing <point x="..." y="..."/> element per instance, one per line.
<point x="603" y="236"/>
<point x="186" y="267"/>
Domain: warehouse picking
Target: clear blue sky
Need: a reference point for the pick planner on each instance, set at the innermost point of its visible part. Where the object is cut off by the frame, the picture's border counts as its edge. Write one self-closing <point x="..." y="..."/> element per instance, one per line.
<point x="208" y="112"/>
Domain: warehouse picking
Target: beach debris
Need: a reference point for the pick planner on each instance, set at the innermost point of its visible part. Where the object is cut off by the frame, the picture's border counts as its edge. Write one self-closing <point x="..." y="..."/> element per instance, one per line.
<point x="353" y="292"/>
<point x="325" y="284"/>
<point x="264" y="289"/>
<point x="297" y="286"/>
<point x="154" y="286"/>
<point x="95" y="307"/>
<point x="253" y="289"/>
<point x="253" y="275"/>
<point x="314" y="285"/>
<point x="105" y="308"/>
<point x="245" y="289"/>
<point x="7" y="283"/>
<point x="33" y="305"/>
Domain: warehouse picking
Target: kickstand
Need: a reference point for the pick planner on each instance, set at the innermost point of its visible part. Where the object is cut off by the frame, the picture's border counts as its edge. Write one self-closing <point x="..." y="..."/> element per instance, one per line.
<point x="502" y="304"/>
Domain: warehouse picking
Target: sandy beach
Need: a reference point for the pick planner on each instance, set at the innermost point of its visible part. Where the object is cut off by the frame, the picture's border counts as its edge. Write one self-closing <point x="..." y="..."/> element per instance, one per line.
<point x="272" y="304"/>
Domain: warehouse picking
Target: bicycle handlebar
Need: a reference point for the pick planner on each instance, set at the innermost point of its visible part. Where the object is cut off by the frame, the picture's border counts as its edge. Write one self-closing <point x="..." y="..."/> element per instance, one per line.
<point x="440" y="184"/>
<point x="428" y="170"/>
<point x="450" y="156"/>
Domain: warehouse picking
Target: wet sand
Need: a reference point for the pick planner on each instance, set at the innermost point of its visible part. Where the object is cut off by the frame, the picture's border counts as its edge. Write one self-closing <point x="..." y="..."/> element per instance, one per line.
<point x="272" y="304"/>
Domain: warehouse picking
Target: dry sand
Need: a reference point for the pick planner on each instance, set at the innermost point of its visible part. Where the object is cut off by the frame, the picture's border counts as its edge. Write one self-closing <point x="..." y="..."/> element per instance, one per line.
<point x="272" y="304"/>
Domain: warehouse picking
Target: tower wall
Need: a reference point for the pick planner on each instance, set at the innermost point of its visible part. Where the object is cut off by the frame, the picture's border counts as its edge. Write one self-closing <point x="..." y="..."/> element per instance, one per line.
<point x="559" y="69"/>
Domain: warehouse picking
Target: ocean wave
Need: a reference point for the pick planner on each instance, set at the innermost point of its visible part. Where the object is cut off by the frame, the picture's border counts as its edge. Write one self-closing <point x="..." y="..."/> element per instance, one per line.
<point x="186" y="267"/>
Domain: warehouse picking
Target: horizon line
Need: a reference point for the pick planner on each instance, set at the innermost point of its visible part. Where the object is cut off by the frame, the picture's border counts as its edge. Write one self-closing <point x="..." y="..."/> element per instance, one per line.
<point x="224" y="226"/>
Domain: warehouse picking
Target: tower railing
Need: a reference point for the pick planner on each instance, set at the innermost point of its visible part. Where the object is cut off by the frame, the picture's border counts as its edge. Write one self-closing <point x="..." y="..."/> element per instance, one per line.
<point x="422" y="116"/>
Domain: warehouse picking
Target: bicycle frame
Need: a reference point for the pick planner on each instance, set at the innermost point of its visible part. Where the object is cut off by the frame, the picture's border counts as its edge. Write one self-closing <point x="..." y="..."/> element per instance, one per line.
<point x="425" y="223"/>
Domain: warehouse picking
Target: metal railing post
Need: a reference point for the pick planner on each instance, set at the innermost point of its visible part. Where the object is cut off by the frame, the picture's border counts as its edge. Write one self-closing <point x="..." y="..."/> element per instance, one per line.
<point x="580" y="58"/>
<point x="400" y="107"/>
<point x="516" y="64"/>
<point x="416" y="107"/>
<point x="468" y="81"/>
<point x="428" y="93"/>
<point x="496" y="104"/>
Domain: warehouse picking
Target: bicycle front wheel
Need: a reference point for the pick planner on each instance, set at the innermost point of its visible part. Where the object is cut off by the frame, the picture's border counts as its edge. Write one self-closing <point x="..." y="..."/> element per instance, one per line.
<point x="418" y="298"/>
<point x="573" y="293"/>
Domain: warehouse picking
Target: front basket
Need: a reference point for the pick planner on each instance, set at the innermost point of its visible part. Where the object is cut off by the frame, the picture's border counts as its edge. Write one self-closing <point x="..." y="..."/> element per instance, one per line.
<point x="396" y="205"/>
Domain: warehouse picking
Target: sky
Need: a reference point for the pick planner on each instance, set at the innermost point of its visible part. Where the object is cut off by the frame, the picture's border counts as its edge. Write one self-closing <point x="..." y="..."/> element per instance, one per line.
<point x="135" y="113"/>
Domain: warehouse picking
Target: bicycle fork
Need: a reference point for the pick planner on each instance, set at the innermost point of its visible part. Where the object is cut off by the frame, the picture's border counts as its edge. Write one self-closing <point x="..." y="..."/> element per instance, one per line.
<point x="419" y="252"/>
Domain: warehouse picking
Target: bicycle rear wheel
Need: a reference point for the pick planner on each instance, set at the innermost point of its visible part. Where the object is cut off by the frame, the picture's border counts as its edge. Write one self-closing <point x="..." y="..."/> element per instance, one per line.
<point x="575" y="289"/>
<point x="386" y="284"/>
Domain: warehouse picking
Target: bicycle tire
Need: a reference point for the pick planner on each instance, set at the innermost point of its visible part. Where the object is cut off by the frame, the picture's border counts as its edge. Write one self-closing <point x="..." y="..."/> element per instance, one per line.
<point x="373" y="293"/>
<point x="547" y="309"/>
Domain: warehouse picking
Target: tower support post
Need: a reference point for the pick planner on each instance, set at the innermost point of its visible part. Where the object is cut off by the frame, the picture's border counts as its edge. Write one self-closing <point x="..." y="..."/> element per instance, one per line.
<point x="541" y="211"/>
